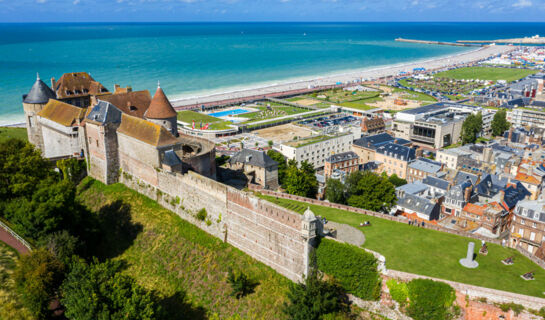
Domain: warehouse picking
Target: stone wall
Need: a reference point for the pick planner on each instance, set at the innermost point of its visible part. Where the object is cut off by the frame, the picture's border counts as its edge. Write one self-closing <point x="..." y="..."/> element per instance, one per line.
<point x="267" y="232"/>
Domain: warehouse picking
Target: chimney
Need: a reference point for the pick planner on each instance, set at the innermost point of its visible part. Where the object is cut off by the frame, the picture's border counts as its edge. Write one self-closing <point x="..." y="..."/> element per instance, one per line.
<point x="53" y="83"/>
<point x="467" y="193"/>
<point x="395" y="141"/>
<point x="510" y="134"/>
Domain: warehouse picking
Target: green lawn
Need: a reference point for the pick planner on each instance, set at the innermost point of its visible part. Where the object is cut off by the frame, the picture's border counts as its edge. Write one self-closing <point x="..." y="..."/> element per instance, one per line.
<point x="10" y="132"/>
<point x="486" y="73"/>
<point x="10" y="302"/>
<point x="434" y="253"/>
<point x="172" y="256"/>
<point x="215" y="123"/>
<point x="277" y="110"/>
<point x="413" y="95"/>
<point x="358" y="104"/>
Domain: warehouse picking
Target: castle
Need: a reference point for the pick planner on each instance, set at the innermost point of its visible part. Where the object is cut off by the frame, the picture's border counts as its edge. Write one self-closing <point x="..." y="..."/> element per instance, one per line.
<point x="131" y="137"/>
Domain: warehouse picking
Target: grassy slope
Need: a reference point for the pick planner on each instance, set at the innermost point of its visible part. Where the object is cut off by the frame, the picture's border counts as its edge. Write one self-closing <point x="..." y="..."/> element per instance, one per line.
<point x="10" y="132"/>
<point x="215" y="123"/>
<point x="433" y="253"/>
<point x="10" y="306"/>
<point x="170" y="255"/>
<point x="484" y="73"/>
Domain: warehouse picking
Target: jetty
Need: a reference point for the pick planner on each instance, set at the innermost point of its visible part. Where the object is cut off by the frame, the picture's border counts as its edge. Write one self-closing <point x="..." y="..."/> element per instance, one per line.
<point x="444" y="43"/>
<point x="526" y="40"/>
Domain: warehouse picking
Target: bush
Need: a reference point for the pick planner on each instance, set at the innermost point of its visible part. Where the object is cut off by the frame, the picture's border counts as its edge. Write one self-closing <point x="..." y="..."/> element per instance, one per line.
<point x="240" y="284"/>
<point x="517" y="308"/>
<point x="353" y="267"/>
<point x="399" y="291"/>
<point x="429" y="300"/>
<point x="201" y="215"/>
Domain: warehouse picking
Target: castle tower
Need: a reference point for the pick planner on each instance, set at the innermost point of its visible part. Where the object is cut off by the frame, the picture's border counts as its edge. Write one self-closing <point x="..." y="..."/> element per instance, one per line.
<point x="33" y="102"/>
<point x="309" y="224"/>
<point x="161" y="112"/>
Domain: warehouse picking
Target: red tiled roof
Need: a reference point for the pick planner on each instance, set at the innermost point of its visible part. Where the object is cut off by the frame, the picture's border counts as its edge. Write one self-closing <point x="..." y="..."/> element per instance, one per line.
<point x="526" y="178"/>
<point x="160" y="107"/>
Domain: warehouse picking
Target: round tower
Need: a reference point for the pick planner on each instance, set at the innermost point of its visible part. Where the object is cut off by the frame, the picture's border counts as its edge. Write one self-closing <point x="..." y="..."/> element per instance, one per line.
<point x="33" y="102"/>
<point x="161" y="112"/>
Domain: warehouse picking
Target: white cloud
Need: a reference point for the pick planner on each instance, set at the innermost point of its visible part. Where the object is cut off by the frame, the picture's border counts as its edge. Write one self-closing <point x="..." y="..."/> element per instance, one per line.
<point x="522" y="4"/>
<point x="41" y="1"/>
<point x="76" y="2"/>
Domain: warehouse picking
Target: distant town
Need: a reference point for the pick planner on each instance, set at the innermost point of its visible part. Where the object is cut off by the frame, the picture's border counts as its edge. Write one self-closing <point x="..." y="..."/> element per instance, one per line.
<point x="418" y="168"/>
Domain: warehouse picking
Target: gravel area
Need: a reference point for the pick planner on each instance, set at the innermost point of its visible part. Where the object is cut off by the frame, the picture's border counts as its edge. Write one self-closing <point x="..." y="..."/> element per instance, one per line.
<point x="347" y="233"/>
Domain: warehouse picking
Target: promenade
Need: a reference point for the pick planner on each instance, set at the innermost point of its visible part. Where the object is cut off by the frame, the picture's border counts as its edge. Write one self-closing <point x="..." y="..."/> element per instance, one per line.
<point x="303" y="86"/>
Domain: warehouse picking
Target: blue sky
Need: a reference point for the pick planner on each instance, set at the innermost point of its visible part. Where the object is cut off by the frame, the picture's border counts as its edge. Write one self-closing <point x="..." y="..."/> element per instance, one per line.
<point x="270" y="10"/>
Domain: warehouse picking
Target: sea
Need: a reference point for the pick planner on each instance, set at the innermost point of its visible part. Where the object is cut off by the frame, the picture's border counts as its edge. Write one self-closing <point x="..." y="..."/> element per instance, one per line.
<point x="194" y="59"/>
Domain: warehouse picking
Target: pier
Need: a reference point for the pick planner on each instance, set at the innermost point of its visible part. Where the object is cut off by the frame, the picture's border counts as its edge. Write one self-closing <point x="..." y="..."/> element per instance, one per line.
<point x="456" y="44"/>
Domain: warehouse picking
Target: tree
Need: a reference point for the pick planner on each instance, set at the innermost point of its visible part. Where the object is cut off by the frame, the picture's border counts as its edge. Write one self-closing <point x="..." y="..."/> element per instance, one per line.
<point x="100" y="291"/>
<point x="334" y="191"/>
<point x="240" y="283"/>
<point x="282" y="165"/>
<point x="37" y="278"/>
<point x="396" y="181"/>
<point x="62" y="245"/>
<point x="301" y="181"/>
<point x="314" y="298"/>
<point x="471" y="127"/>
<point x="500" y="123"/>
<point x="372" y="192"/>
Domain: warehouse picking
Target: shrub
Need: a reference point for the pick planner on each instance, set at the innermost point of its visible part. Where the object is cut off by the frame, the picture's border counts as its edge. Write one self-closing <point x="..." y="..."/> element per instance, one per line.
<point x="399" y="291"/>
<point x="201" y="215"/>
<point x="240" y="284"/>
<point x="517" y="308"/>
<point x="354" y="268"/>
<point x="429" y="300"/>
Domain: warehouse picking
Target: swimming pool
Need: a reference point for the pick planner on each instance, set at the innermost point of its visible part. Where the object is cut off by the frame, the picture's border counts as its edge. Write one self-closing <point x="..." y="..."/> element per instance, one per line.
<point x="232" y="112"/>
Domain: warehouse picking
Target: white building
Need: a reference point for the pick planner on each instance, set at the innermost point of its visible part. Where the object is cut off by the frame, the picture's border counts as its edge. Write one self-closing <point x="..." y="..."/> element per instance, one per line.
<point x="521" y="117"/>
<point x="450" y="157"/>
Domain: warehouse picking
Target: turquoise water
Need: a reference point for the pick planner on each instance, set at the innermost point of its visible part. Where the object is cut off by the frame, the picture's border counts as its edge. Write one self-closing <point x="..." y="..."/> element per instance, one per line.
<point x="232" y="112"/>
<point x="196" y="58"/>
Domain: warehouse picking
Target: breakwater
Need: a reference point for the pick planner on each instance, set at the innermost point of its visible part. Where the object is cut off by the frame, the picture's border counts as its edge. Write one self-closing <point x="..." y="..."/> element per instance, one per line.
<point x="438" y="42"/>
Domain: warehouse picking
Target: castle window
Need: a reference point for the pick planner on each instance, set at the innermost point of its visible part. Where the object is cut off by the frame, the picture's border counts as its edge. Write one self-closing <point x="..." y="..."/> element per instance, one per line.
<point x="132" y="108"/>
<point x="30" y="122"/>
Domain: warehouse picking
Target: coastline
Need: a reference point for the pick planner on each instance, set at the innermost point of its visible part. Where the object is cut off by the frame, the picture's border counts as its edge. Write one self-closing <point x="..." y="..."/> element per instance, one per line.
<point x="280" y="87"/>
<point x="370" y="73"/>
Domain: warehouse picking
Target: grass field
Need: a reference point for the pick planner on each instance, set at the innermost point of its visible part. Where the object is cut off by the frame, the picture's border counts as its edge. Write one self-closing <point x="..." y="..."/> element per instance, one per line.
<point x="215" y="123"/>
<point x="10" y="132"/>
<point x="413" y="95"/>
<point x="174" y="257"/>
<point x="433" y="253"/>
<point x="277" y="110"/>
<point x="485" y="73"/>
<point x="10" y="306"/>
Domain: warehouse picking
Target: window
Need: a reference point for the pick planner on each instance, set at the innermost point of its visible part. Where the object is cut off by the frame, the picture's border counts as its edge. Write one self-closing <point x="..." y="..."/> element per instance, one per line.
<point x="532" y="236"/>
<point x="522" y="221"/>
<point x="521" y="231"/>
<point x="30" y="122"/>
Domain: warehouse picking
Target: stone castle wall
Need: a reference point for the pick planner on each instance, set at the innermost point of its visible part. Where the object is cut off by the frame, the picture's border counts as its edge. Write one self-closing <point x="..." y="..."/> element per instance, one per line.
<point x="266" y="232"/>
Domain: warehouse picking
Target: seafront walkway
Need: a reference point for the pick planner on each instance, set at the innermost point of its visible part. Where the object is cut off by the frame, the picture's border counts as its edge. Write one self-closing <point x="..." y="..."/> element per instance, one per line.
<point x="307" y="85"/>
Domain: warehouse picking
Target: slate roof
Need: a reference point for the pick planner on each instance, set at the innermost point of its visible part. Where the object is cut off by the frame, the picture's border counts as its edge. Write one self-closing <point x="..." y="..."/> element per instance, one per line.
<point x="535" y="210"/>
<point x="377" y="140"/>
<point x="413" y="188"/>
<point x="62" y="113"/>
<point x="417" y="204"/>
<point x="514" y="193"/>
<point x="425" y="109"/>
<point x="490" y="185"/>
<point x="436" y="182"/>
<point x="253" y="157"/>
<point x="171" y="158"/>
<point x="426" y="165"/>
<point x="145" y="131"/>
<point x="457" y="192"/>
<point x="343" y="156"/>
<point x="397" y="151"/>
<point x="462" y="176"/>
<point x="160" y="107"/>
<point x="39" y="93"/>
<point x="77" y="84"/>
<point x="104" y="112"/>
<point x="134" y="103"/>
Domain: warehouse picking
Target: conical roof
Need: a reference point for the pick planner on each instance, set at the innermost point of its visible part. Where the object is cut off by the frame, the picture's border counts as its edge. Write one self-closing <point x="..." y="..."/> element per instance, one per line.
<point x="39" y="93"/>
<point x="160" y="107"/>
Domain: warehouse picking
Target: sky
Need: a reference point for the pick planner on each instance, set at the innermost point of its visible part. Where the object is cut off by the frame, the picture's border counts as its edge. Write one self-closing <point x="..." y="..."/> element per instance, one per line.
<point x="270" y="10"/>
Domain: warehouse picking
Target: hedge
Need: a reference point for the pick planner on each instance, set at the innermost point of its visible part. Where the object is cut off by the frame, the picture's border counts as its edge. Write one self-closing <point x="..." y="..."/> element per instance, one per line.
<point x="353" y="267"/>
<point x="430" y="300"/>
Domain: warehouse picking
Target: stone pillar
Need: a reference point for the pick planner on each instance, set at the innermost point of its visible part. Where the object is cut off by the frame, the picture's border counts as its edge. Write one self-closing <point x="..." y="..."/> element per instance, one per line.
<point x="468" y="261"/>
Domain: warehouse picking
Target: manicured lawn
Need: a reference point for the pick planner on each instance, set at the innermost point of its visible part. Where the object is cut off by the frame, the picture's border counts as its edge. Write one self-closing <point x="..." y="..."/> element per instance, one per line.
<point x="10" y="132"/>
<point x="277" y="110"/>
<point x="486" y="73"/>
<point x="190" y="116"/>
<point x="358" y="104"/>
<point x="10" y="302"/>
<point x="174" y="257"/>
<point x="413" y="95"/>
<point x="434" y="253"/>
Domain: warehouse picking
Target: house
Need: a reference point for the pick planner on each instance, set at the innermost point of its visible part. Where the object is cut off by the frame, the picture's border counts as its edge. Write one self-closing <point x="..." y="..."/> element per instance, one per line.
<point x="423" y="167"/>
<point x="372" y="125"/>
<point x="437" y="186"/>
<point x="423" y="208"/>
<point x="317" y="149"/>
<point x="257" y="166"/>
<point x="492" y="217"/>
<point x="457" y="198"/>
<point x="531" y="183"/>
<point x="365" y="147"/>
<point x="395" y="158"/>
<point x="528" y="225"/>
<point x="346" y="161"/>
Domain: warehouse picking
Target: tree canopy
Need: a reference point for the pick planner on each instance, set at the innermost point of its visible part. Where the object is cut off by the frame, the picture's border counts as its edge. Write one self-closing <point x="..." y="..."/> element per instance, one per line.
<point x="370" y="191"/>
<point x="500" y="123"/>
<point x="334" y="191"/>
<point x="471" y="128"/>
<point x="301" y="181"/>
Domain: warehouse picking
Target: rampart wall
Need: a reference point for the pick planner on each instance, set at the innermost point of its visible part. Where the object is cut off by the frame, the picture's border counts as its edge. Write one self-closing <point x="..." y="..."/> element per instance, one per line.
<point x="265" y="231"/>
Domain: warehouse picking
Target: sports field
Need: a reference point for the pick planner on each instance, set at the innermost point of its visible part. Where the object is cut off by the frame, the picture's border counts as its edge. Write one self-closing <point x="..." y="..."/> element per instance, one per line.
<point x="486" y="73"/>
<point x="190" y="116"/>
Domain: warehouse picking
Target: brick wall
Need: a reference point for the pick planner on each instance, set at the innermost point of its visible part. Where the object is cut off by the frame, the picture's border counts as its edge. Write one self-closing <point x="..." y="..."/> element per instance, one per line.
<point x="267" y="232"/>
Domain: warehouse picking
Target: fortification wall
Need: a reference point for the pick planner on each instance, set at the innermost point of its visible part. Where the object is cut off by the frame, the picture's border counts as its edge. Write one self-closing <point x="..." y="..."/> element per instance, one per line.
<point x="266" y="232"/>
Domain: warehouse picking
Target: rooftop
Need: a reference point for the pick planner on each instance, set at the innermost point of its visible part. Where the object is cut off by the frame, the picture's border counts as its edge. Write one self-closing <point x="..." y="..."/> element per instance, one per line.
<point x="344" y="156"/>
<point x="426" y="165"/>
<point x="104" y="112"/>
<point x="62" y="113"/>
<point x="40" y="93"/>
<point x="397" y="151"/>
<point x="134" y="103"/>
<point x="77" y="84"/>
<point x="160" y="107"/>
<point x="253" y="157"/>
<point x="533" y="209"/>
<point x="145" y="131"/>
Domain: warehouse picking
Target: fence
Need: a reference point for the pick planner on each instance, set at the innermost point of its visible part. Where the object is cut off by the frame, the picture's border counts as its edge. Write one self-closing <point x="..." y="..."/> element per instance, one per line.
<point x="536" y="260"/>
<point x="13" y="239"/>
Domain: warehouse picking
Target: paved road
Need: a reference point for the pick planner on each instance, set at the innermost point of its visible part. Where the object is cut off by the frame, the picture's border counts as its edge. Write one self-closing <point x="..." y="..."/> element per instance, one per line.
<point x="12" y="242"/>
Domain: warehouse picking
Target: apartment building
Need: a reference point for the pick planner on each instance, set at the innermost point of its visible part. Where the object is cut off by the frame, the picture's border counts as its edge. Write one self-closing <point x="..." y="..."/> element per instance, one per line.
<point x="528" y="225"/>
<point x="423" y="167"/>
<point x="317" y="149"/>
<point x="394" y="159"/>
<point x="346" y="162"/>
<point x="527" y="117"/>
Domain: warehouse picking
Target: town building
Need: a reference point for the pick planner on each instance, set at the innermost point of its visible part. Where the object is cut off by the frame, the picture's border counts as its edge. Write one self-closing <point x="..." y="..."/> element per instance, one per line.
<point x="527" y="117"/>
<point x="423" y="167"/>
<point x="257" y="166"/>
<point x="365" y="147"/>
<point x="450" y="157"/>
<point x="347" y="162"/>
<point x="489" y="216"/>
<point x="372" y="125"/>
<point x="528" y="225"/>
<point x="317" y="149"/>
<point x="394" y="158"/>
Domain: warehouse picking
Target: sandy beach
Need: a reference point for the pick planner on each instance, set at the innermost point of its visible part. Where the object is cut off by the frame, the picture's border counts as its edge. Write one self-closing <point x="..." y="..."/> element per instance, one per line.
<point x="358" y="75"/>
